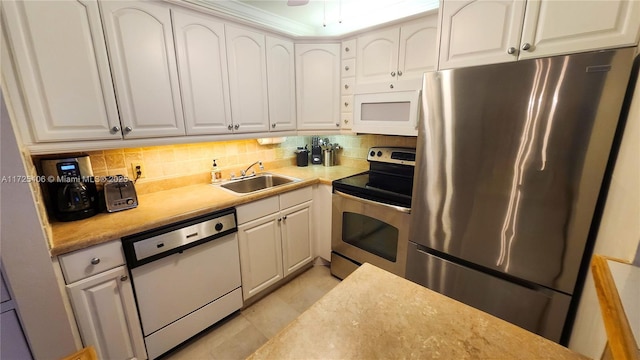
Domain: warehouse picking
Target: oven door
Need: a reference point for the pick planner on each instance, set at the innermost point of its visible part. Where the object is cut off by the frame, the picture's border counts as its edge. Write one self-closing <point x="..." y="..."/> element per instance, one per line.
<point x="368" y="231"/>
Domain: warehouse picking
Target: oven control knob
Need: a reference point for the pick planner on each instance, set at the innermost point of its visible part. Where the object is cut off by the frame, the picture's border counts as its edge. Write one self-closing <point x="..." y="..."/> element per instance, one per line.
<point x="373" y="153"/>
<point x="379" y="153"/>
<point x="218" y="226"/>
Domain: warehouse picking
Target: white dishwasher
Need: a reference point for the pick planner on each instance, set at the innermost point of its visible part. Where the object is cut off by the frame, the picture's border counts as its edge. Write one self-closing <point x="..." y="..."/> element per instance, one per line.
<point x="186" y="277"/>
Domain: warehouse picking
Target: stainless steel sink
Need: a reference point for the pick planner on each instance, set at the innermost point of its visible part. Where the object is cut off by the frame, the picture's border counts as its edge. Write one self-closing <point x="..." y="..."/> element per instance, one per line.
<point x="257" y="182"/>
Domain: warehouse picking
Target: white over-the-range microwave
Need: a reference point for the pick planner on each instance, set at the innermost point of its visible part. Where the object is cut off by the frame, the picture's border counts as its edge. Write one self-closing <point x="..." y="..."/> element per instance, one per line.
<point x="392" y="113"/>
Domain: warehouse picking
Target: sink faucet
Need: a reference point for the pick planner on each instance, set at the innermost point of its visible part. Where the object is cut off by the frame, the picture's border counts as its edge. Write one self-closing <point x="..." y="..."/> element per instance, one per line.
<point x="244" y="172"/>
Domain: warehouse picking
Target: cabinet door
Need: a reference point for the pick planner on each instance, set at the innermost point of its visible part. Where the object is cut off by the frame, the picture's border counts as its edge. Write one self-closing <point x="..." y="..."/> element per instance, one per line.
<point x="318" y="86"/>
<point x="377" y="60"/>
<point x="479" y="32"/>
<point x="247" y="80"/>
<point x="107" y="316"/>
<point x="142" y="55"/>
<point x="562" y="27"/>
<point x="260" y="254"/>
<point x="202" y="65"/>
<point x="296" y="237"/>
<point x="62" y="60"/>
<point x="418" y="49"/>
<point x="281" y="84"/>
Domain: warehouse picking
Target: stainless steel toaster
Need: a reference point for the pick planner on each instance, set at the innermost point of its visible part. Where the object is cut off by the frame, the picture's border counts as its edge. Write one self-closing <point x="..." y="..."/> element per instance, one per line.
<point x="120" y="194"/>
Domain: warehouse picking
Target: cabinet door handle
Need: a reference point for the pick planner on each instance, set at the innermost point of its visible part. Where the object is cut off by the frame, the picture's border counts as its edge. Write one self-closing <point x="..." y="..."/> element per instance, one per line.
<point x="346" y="68"/>
<point x="124" y="278"/>
<point x="390" y="86"/>
<point x="511" y="50"/>
<point x="346" y="86"/>
<point x="393" y="73"/>
<point x="284" y="217"/>
<point x="279" y="219"/>
<point x="526" y="46"/>
<point x="346" y="104"/>
<point x="346" y="49"/>
<point x="128" y="129"/>
<point x="95" y="261"/>
<point x="346" y="121"/>
<point x="273" y="126"/>
<point x="236" y="126"/>
<point x="399" y="72"/>
<point x="337" y="124"/>
<point x="230" y="127"/>
<point x="115" y="129"/>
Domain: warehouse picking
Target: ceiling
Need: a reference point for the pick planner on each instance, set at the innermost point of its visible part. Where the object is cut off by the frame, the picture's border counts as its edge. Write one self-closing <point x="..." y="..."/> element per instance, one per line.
<point x="319" y="18"/>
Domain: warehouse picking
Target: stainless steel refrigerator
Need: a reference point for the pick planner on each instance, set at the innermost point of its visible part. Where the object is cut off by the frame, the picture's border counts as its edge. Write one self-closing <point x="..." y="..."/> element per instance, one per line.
<point x="509" y="166"/>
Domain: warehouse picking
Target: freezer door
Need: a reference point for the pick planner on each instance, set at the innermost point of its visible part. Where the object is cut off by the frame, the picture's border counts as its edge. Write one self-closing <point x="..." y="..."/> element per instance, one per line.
<point x="541" y="311"/>
<point x="510" y="159"/>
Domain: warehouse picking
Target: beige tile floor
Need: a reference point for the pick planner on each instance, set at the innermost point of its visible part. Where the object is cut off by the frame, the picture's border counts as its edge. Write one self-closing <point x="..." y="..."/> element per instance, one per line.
<point x="241" y="334"/>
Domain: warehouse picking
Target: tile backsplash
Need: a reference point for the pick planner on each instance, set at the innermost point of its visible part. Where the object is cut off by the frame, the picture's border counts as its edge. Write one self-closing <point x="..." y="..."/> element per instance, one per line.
<point x="179" y="165"/>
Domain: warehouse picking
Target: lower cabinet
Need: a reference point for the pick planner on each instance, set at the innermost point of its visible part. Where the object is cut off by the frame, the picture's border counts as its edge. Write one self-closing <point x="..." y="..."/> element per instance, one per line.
<point x="103" y="303"/>
<point x="275" y="239"/>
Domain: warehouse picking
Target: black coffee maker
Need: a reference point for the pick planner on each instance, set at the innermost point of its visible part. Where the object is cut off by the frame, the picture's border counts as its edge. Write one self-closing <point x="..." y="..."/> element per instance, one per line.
<point x="71" y="189"/>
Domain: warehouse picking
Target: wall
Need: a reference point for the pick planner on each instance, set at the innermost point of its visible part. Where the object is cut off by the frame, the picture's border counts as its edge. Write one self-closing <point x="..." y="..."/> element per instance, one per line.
<point x="619" y="233"/>
<point x="180" y="165"/>
<point x="26" y="260"/>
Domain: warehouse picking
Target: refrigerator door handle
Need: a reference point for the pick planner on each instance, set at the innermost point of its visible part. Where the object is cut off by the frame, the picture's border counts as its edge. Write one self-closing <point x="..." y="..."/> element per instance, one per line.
<point x="401" y="209"/>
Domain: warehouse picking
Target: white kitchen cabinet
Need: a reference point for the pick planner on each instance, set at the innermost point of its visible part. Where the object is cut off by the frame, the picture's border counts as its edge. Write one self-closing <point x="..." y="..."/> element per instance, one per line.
<point x="246" y="60"/>
<point x="318" y="86"/>
<point x="296" y="237"/>
<point x="281" y="84"/>
<point x="102" y="298"/>
<point x="322" y="215"/>
<point x="395" y="58"/>
<point x="477" y="32"/>
<point x="275" y="239"/>
<point x="62" y="62"/>
<point x="140" y="42"/>
<point x="202" y="66"/>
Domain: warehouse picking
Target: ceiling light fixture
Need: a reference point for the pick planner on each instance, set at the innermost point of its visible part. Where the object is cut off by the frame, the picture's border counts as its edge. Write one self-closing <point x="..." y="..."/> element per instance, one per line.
<point x="297" y="2"/>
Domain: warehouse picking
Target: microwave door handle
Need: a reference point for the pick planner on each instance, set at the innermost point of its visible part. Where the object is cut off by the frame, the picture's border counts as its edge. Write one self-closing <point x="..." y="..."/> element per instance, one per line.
<point x="401" y="209"/>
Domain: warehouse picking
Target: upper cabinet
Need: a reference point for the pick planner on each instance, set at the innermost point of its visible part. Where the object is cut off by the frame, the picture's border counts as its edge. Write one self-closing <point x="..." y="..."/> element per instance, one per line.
<point x="140" y="42"/>
<point x="480" y="32"/>
<point x="202" y="66"/>
<point x="318" y="86"/>
<point x="247" y="79"/>
<point x="64" y="69"/>
<point x="396" y="58"/>
<point x="281" y="84"/>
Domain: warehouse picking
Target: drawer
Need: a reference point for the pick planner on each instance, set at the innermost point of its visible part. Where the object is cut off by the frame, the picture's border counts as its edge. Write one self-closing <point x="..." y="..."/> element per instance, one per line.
<point x="347" y="85"/>
<point x="295" y="197"/>
<point x="347" y="104"/>
<point x="348" y="68"/>
<point x="346" y="120"/>
<point x="349" y="49"/>
<point x="257" y="209"/>
<point x="94" y="260"/>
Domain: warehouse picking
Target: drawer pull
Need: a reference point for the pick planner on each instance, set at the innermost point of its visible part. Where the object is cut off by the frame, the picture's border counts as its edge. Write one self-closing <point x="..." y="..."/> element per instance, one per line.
<point x="95" y="261"/>
<point x="124" y="278"/>
<point x="159" y="245"/>
<point x="192" y="235"/>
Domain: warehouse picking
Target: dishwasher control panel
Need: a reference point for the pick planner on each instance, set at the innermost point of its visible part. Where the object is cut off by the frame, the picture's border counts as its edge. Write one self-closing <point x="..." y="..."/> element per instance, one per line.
<point x="151" y="245"/>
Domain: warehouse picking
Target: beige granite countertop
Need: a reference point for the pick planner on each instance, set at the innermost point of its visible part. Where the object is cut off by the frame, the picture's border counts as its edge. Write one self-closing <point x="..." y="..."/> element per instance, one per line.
<point x="374" y="314"/>
<point x="168" y="206"/>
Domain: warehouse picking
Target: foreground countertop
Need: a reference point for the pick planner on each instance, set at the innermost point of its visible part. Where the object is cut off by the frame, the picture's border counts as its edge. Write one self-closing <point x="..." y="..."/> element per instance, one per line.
<point x="168" y="206"/>
<point x="374" y="314"/>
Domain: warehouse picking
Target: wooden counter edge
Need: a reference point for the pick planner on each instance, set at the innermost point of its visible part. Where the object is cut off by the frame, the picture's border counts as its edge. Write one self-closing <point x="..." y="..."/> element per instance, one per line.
<point x="621" y="341"/>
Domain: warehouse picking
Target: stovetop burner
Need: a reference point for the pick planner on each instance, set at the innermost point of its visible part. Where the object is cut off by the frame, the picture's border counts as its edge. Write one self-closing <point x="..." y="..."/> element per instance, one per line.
<point x="389" y="179"/>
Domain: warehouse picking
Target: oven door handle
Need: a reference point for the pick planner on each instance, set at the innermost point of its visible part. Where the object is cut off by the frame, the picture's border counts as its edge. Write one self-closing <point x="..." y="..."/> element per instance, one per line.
<point x="397" y="208"/>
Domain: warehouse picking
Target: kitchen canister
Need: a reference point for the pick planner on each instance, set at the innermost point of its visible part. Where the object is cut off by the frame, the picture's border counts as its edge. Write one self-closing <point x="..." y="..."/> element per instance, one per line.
<point x="302" y="157"/>
<point x="328" y="157"/>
